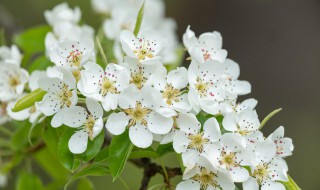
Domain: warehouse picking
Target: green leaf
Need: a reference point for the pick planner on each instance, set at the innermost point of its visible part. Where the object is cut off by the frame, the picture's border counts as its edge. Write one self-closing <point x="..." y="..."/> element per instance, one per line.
<point x="29" y="100"/>
<point x="139" y="21"/>
<point x="164" y="149"/>
<point x="291" y="184"/>
<point x="28" y="181"/>
<point x="266" y="119"/>
<point x="85" y="184"/>
<point x="119" y="152"/>
<point x="92" y="170"/>
<point x="69" y="161"/>
<point x="103" y="155"/>
<point x="93" y="148"/>
<point x="143" y="153"/>
<point x="41" y="63"/>
<point x="19" y="139"/>
<point x="32" y="40"/>
<point x="54" y="169"/>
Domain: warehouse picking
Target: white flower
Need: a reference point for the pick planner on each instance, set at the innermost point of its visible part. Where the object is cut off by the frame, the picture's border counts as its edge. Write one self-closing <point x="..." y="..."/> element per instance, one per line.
<point x="139" y="117"/>
<point x="284" y="144"/>
<point x="230" y="156"/>
<point x="170" y="89"/>
<point x="32" y="112"/>
<point x="12" y="81"/>
<point x="104" y="85"/>
<point x="267" y="175"/>
<point x="244" y="123"/>
<point x="72" y="54"/>
<point x="10" y="55"/>
<point x="146" y="48"/>
<point x="204" y="93"/>
<point x="207" y="47"/>
<point x="191" y="141"/>
<point x="62" y="13"/>
<point x="89" y="124"/>
<point x="203" y="176"/>
<point x="61" y="94"/>
<point x="103" y="6"/>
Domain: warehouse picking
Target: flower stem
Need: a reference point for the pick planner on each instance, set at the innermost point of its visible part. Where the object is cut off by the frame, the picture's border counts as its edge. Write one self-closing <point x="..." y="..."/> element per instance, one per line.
<point x="103" y="55"/>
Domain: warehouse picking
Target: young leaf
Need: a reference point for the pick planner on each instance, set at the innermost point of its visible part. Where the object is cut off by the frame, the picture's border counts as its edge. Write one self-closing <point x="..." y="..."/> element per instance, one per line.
<point x="85" y="184"/>
<point x="29" y="100"/>
<point x="143" y="153"/>
<point x="291" y="184"/>
<point x="41" y="63"/>
<point x="32" y="40"/>
<point x="28" y="181"/>
<point x="139" y="21"/>
<point x="93" y="147"/>
<point x="69" y="161"/>
<point x="266" y="119"/>
<point x="119" y="152"/>
<point x="103" y="155"/>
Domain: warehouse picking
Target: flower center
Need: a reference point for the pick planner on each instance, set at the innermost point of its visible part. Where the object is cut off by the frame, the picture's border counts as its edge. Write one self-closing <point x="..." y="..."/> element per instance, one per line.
<point x="206" y="55"/>
<point x="14" y="81"/>
<point x="137" y="114"/>
<point x="33" y="109"/>
<point x="88" y="126"/>
<point x="202" y="87"/>
<point x="228" y="160"/>
<point x="144" y="51"/>
<point x="171" y="94"/>
<point x="206" y="178"/>
<point x="197" y="141"/>
<point x="74" y="58"/>
<point x="138" y="80"/>
<point x="65" y="96"/>
<point x="261" y="172"/>
<point x="107" y="86"/>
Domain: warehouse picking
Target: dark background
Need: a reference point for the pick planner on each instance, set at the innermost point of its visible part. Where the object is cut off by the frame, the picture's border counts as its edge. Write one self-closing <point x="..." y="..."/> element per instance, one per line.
<point x="276" y="43"/>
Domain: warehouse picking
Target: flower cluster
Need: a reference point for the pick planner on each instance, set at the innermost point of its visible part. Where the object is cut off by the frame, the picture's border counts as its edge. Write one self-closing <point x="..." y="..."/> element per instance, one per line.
<point x="195" y="109"/>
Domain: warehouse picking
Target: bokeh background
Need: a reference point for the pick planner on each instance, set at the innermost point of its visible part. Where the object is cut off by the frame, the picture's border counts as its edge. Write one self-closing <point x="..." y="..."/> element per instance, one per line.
<point x="276" y="43"/>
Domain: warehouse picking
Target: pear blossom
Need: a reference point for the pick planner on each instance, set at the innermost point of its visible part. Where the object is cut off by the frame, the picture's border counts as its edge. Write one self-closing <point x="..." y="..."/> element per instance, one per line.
<point x="10" y="55"/>
<point x="268" y="170"/>
<point x="138" y="116"/>
<point x="88" y="124"/>
<point x="207" y="47"/>
<point x="146" y="48"/>
<point x="191" y="141"/>
<point x="204" y="176"/>
<point x="32" y="113"/>
<point x="230" y="155"/>
<point x="104" y="85"/>
<point x="12" y="81"/>
<point x="204" y="93"/>
<point x="244" y="123"/>
<point x="61" y="94"/>
<point x="62" y="13"/>
<point x="284" y="144"/>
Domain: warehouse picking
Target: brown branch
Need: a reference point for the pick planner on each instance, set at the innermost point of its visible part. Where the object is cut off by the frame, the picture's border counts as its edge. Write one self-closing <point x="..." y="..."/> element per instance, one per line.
<point x="151" y="169"/>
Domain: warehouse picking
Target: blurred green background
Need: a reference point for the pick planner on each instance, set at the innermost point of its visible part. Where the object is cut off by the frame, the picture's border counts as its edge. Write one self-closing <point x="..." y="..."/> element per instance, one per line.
<point x="276" y="43"/>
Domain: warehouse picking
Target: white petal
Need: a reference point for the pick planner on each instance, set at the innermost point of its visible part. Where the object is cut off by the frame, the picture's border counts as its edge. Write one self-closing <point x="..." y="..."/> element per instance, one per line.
<point x="190" y="157"/>
<point x="151" y="97"/>
<point x="50" y="84"/>
<point x="49" y="105"/>
<point x="180" y="142"/>
<point x="265" y="151"/>
<point x="94" y="107"/>
<point x="34" y="78"/>
<point x="129" y="97"/>
<point x="140" y="136"/>
<point x="159" y="124"/>
<point x="57" y="119"/>
<point x="239" y="174"/>
<point x="97" y="128"/>
<point x="19" y="116"/>
<point x="110" y="102"/>
<point x="242" y="87"/>
<point x="188" y="185"/>
<point x="178" y="78"/>
<point x="117" y="123"/>
<point x="232" y="142"/>
<point x="188" y="122"/>
<point x="247" y="104"/>
<point x="251" y="184"/>
<point x="211" y="129"/>
<point x="225" y="181"/>
<point x="272" y="185"/>
<point x="78" y="142"/>
<point x="75" y="116"/>
<point x="229" y="122"/>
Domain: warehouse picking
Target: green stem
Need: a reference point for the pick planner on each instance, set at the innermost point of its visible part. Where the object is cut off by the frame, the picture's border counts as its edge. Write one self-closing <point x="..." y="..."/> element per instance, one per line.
<point x="103" y="55"/>
<point x="266" y="119"/>
<point x="291" y="184"/>
<point x="164" y="171"/>
<point x="124" y="183"/>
